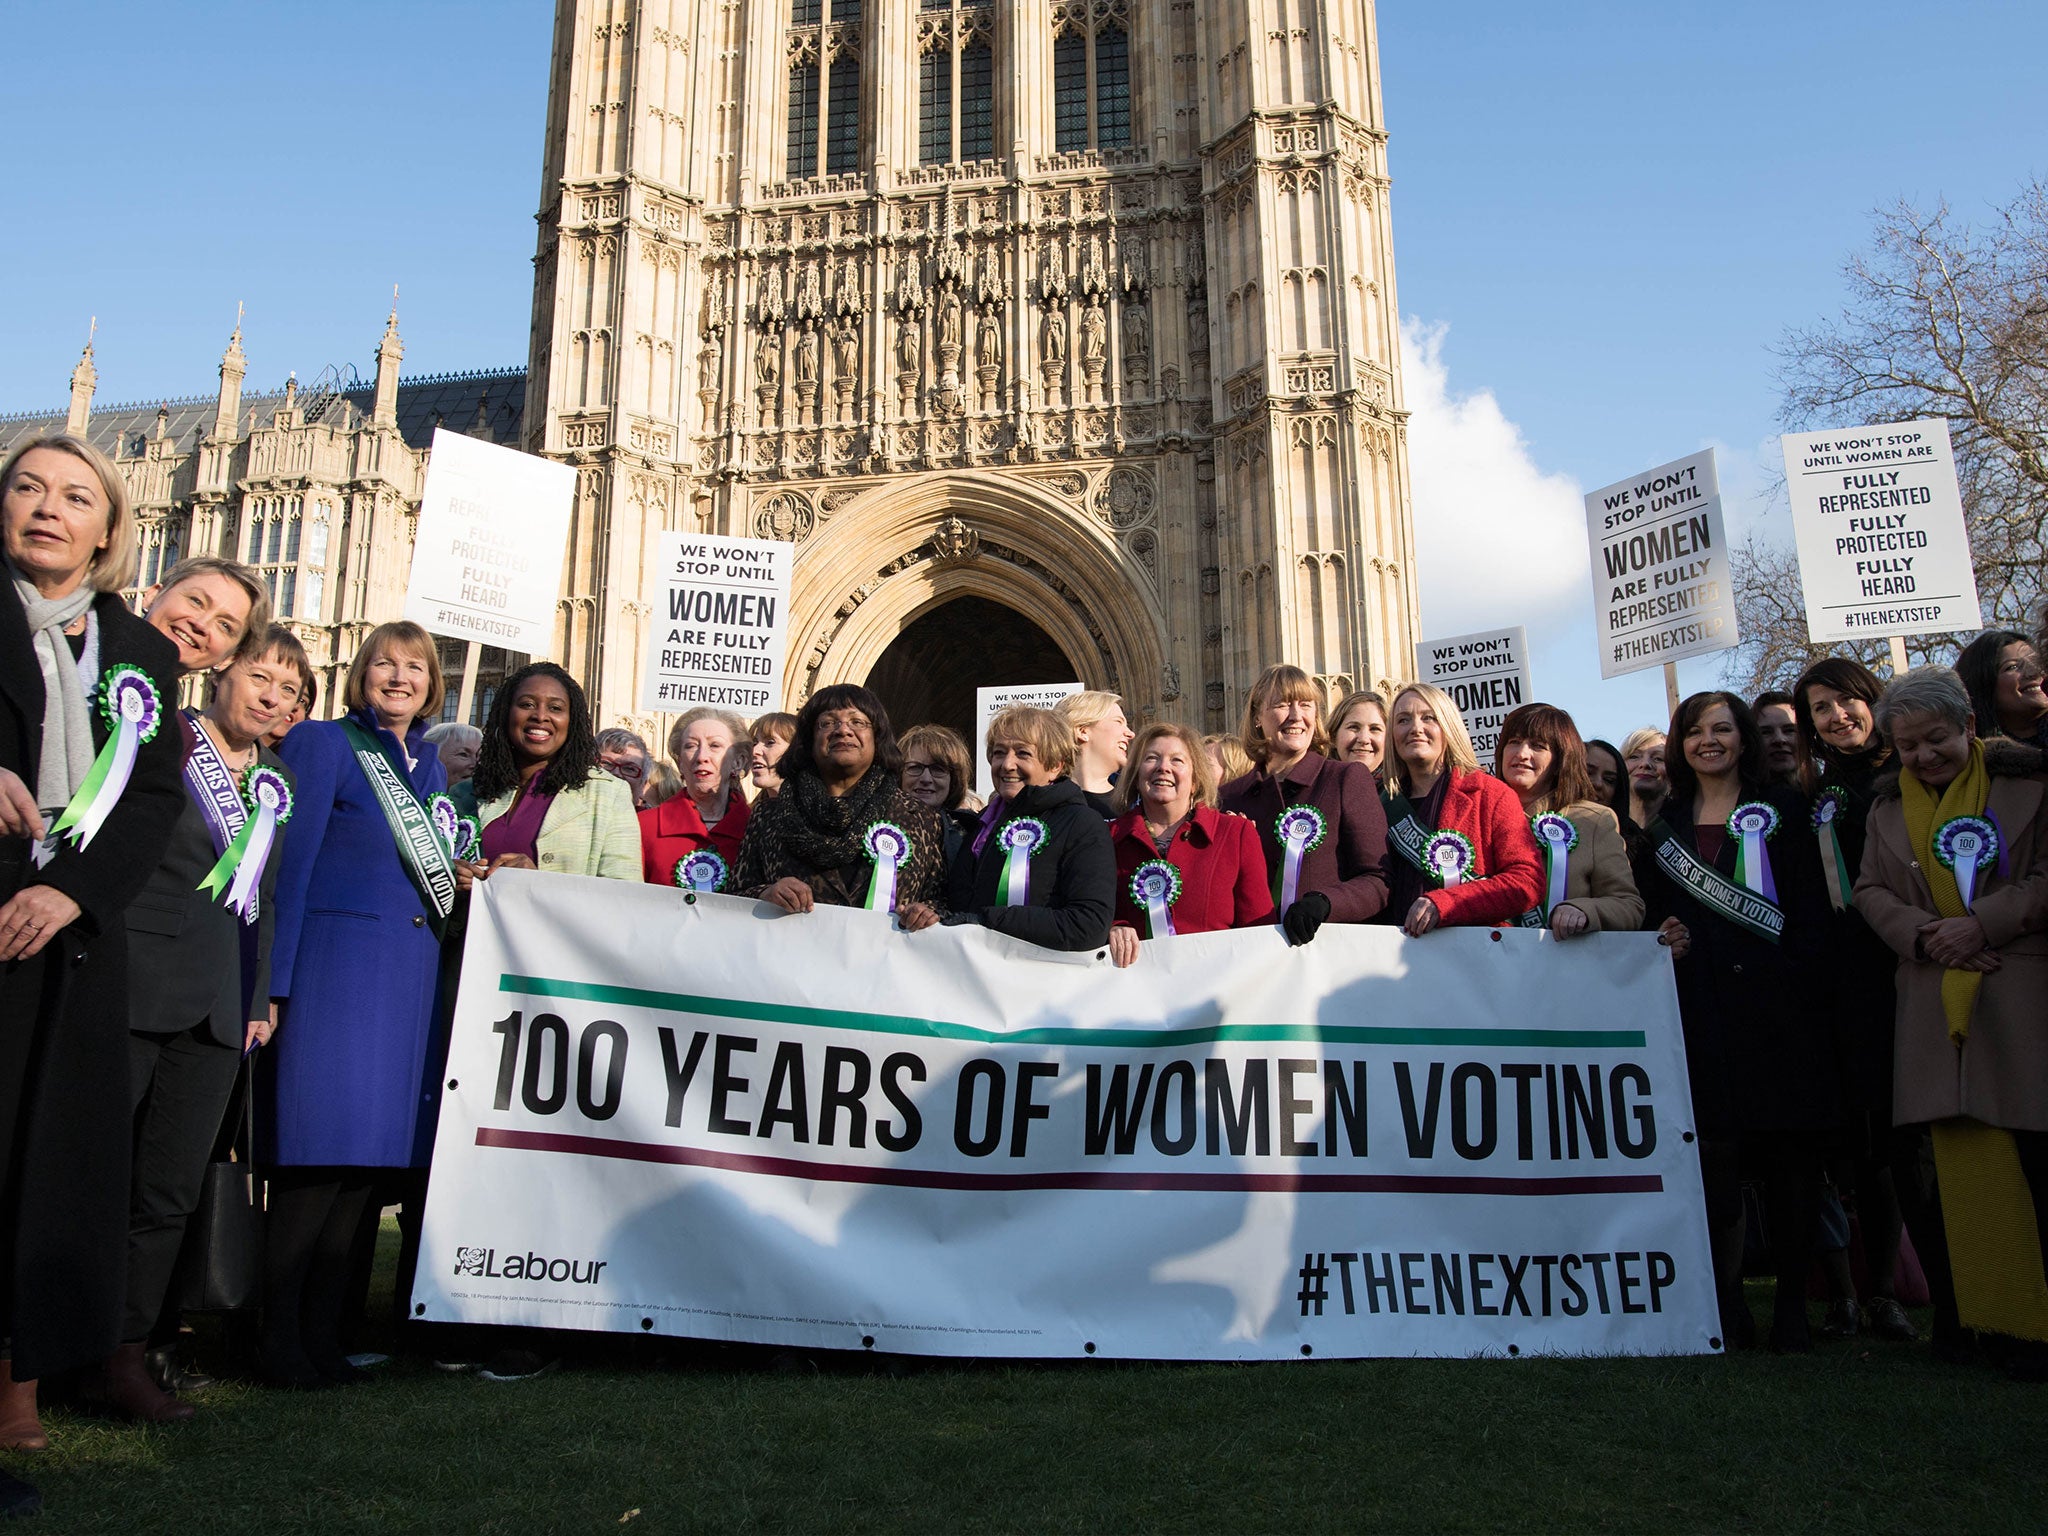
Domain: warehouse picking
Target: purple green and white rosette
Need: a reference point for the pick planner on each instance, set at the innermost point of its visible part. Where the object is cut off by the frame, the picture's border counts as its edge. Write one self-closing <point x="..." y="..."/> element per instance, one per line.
<point x="133" y="711"/>
<point x="446" y="816"/>
<point x="1155" y="886"/>
<point x="1020" y="840"/>
<point x="1450" y="857"/>
<point x="703" y="872"/>
<point x="1752" y="824"/>
<point x="1966" y="846"/>
<point x="888" y="845"/>
<point x="1300" y="828"/>
<point x="1557" y="837"/>
<point x="1827" y="812"/>
<point x="469" y="838"/>
<point x="239" y="870"/>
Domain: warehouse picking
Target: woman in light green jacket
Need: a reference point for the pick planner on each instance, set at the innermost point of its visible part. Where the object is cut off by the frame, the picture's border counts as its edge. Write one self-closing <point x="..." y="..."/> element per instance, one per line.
<point x="541" y="797"/>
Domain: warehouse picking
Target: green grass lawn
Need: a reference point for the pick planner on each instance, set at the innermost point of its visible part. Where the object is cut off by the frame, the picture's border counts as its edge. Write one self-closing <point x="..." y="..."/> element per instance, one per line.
<point x="1859" y="1438"/>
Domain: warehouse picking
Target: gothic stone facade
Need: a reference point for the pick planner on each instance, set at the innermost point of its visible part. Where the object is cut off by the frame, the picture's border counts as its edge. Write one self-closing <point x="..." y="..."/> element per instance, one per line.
<point x="1084" y="307"/>
<point x="1081" y="307"/>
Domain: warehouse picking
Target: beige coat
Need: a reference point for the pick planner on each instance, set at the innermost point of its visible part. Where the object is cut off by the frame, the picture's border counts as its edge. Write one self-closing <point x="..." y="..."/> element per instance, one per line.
<point x="1598" y="880"/>
<point x="590" y="830"/>
<point x="2000" y="1075"/>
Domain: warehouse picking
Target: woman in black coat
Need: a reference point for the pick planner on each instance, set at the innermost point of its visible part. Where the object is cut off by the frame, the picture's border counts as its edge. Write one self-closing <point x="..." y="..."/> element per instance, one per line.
<point x="1842" y="757"/>
<point x="1730" y="861"/>
<point x="1041" y="867"/>
<point x="67" y="647"/>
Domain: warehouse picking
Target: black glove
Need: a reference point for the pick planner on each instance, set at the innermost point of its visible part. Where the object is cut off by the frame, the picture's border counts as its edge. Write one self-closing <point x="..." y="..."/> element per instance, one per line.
<point x="1305" y="917"/>
<point x="959" y="919"/>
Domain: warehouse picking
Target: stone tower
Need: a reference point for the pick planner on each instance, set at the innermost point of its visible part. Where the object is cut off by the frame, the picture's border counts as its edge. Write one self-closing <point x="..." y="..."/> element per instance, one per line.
<point x="1059" y="335"/>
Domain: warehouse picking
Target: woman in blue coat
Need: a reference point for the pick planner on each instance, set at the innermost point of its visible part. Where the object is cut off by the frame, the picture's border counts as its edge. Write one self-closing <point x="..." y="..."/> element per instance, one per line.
<point x="361" y="897"/>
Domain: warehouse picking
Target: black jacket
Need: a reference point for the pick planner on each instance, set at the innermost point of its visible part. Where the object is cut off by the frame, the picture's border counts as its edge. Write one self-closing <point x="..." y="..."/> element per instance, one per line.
<point x="64" y="1111"/>
<point x="189" y="958"/>
<point x="1072" y="894"/>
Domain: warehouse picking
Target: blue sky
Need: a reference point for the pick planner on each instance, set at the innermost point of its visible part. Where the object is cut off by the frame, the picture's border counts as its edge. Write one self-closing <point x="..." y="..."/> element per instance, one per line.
<point x="1604" y="217"/>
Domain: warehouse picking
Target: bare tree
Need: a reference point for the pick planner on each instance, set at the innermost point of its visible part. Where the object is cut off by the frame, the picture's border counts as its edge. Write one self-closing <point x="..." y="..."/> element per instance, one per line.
<point x="1943" y="319"/>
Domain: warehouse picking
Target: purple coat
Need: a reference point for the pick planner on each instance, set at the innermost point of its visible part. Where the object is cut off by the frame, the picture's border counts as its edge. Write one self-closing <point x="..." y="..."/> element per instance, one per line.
<point x="1350" y="864"/>
<point x="355" y="957"/>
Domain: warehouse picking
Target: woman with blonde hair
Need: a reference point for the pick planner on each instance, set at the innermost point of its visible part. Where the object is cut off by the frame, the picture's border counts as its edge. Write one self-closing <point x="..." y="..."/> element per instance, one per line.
<point x="79" y="675"/>
<point x="363" y="895"/>
<point x="1102" y="738"/>
<point x="1040" y="867"/>
<point x="1228" y="759"/>
<point x="710" y="750"/>
<point x="1320" y="822"/>
<point x="1182" y="866"/>
<point x="1642" y="759"/>
<point x="1588" y="887"/>
<point x="1463" y="854"/>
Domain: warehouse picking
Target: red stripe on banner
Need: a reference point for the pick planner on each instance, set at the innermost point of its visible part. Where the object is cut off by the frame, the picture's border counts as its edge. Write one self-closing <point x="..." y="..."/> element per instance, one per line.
<point x="918" y="1178"/>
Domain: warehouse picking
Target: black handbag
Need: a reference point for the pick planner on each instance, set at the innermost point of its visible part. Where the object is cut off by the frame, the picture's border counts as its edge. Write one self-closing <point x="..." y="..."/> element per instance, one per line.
<point x="221" y="1267"/>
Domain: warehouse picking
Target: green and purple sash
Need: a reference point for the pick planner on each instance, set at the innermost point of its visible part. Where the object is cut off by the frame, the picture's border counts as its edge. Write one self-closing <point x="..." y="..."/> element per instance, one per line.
<point x="420" y="846"/>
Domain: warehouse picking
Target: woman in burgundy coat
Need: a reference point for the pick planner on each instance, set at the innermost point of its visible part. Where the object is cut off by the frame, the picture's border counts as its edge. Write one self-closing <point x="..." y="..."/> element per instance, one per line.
<point x="1462" y="853"/>
<point x="1182" y="866"/>
<point x="1319" y="820"/>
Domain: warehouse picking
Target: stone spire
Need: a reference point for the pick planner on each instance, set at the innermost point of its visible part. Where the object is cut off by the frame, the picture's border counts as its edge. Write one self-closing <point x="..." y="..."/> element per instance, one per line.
<point x="234" y="366"/>
<point x="389" y="351"/>
<point x="83" y="378"/>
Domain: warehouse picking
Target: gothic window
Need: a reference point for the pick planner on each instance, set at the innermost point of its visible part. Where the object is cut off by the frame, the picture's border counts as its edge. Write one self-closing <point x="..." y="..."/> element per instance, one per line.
<point x="824" y="88"/>
<point x="1091" y="75"/>
<point x="956" y="82"/>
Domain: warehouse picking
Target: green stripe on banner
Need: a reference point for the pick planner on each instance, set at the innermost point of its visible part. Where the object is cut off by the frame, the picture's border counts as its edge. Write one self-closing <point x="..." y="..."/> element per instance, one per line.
<point x="939" y="1029"/>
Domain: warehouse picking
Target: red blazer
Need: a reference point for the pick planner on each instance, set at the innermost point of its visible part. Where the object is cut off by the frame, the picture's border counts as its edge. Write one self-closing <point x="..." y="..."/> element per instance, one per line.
<point x="1350" y="864"/>
<point x="1509" y="878"/>
<point x="1222" y="871"/>
<point x="673" y="830"/>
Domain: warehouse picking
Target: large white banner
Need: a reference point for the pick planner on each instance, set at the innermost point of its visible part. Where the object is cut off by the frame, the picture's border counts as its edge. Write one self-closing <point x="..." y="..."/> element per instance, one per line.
<point x="1879" y="522"/>
<point x="703" y="1118"/>
<point x="1486" y="675"/>
<point x="1663" y="589"/>
<point x="494" y="526"/>
<point x="717" y="624"/>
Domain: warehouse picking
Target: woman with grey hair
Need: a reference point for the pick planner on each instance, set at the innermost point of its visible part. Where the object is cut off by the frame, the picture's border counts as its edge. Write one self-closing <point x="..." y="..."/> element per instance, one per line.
<point x="89" y="794"/>
<point x="1955" y="881"/>
<point x="623" y="755"/>
<point x="457" y="745"/>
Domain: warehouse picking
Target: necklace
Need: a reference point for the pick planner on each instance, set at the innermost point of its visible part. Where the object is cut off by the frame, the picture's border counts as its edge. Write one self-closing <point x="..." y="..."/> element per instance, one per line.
<point x="235" y="757"/>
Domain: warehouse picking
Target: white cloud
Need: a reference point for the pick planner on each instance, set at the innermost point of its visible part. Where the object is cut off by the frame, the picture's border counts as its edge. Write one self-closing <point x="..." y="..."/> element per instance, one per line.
<point x="1498" y="539"/>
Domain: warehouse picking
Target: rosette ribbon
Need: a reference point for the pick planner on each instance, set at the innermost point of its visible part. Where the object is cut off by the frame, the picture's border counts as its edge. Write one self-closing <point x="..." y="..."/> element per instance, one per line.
<point x="1557" y="837"/>
<point x="1752" y="824"/>
<point x="132" y="710"/>
<point x="1827" y="810"/>
<point x="1299" y="828"/>
<point x="447" y="819"/>
<point x="889" y="846"/>
<point x="703" y="871"/>
<point x="1967" y="845"/>
<point x="1155" y="886"/>
<point x="1020" y="840"/>
<point x="469" y="838"/>
<point x="1450" y="856"/>
<point x="239" y="870"/>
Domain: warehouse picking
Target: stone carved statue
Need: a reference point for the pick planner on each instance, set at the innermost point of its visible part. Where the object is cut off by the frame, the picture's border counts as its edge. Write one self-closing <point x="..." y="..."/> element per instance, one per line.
<point x="846" y="350"/>
<point x="807" y="358"/>
<point x="1054" y="343"/>
<point x="909" y="345"/>
<point x="991" y="340"/>
<point x="1137" y="337"/>
<point x="768" y="359"/>
<point x="1094" y="337"/>
<point x="949" y="323"/>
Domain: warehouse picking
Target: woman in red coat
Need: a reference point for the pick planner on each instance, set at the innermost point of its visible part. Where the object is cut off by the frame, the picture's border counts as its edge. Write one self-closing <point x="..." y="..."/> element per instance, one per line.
<point x="1182" y="866"/>
<point x="1319" y="820"/>
<point x="1462" y="853"/>
<point x="709" y="746"/>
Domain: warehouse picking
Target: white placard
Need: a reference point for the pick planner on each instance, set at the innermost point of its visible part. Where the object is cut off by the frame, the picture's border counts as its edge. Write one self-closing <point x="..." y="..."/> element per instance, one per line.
<point x="487" y="562"/>
<point x="717" y="626"/>
<point x="1487" y="674"/>
<point x="1662" y="586"/>
<point x="707" y="1119"/>
<point x="990" y="702"/>
<point x="1883" y="549"/>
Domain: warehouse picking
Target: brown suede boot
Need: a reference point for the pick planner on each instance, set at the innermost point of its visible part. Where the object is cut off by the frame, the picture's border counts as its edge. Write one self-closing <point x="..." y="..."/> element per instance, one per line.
<point x="125" y="1388"/>
<point x="20" y="1429"/>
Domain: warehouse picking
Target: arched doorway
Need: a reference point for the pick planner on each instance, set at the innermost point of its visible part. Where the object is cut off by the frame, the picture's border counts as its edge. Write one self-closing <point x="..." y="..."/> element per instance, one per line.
<point x="928" y="673"/>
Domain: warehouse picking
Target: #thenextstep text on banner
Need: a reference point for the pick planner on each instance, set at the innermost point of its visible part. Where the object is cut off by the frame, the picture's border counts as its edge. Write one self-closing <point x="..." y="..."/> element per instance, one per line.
<point x="701" y="1117"/>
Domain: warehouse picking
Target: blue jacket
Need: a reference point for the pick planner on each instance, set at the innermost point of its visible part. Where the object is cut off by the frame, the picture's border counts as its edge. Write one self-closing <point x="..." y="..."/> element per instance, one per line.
<point x="354" y="958"/>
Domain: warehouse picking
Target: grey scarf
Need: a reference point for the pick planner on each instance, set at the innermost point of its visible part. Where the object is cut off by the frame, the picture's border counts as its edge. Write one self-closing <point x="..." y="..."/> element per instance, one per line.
<point x="67" y="750"/>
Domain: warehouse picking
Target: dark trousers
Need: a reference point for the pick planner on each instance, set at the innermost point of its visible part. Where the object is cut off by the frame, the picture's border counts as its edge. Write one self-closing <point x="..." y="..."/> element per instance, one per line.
<point x="179" y="1087"/>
